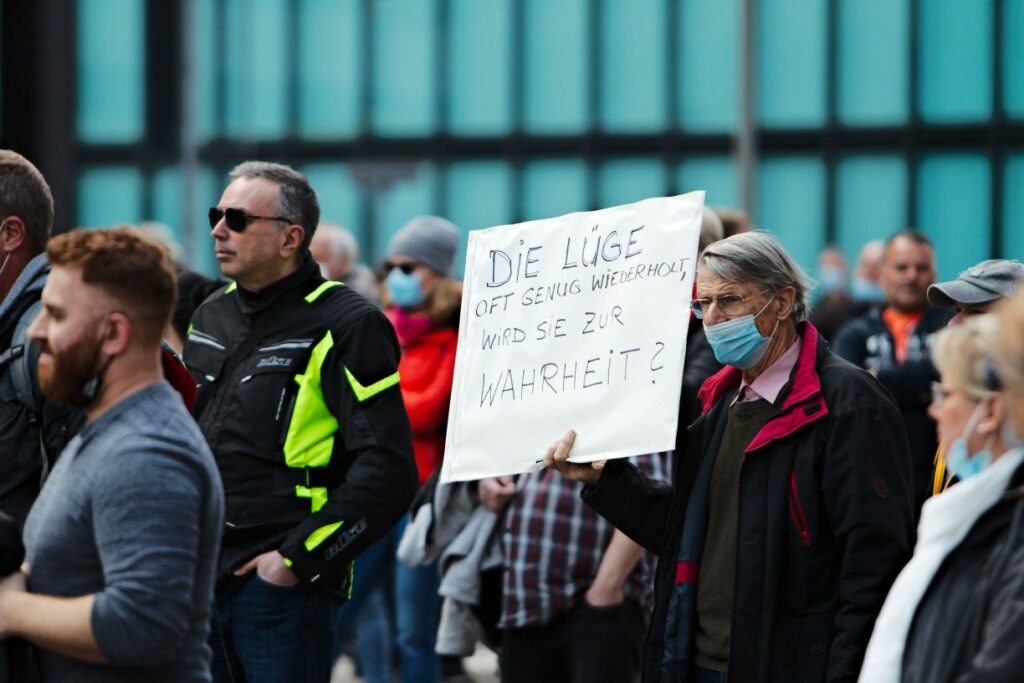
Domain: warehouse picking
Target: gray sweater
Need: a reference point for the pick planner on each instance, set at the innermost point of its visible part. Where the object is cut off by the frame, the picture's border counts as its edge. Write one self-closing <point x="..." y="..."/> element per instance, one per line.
<point x="133" y="513"/>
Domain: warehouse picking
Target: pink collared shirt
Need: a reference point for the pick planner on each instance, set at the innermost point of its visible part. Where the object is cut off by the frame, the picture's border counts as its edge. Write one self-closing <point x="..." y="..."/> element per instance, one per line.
<point x="769" y="383"/>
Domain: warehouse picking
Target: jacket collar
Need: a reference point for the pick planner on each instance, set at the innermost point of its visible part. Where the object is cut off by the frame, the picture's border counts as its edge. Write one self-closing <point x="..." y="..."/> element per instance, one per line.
<point x="306" y="276"/>
<point x="33" y="277"/>
<point x="805" y="387"/>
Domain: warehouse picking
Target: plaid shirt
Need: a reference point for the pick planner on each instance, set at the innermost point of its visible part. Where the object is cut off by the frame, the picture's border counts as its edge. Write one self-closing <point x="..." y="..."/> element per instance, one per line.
<point x="553" y="545"/>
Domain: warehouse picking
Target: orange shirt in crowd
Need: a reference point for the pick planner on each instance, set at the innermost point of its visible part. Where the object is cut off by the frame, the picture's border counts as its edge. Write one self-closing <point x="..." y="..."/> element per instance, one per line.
<point x="902" y="325"/>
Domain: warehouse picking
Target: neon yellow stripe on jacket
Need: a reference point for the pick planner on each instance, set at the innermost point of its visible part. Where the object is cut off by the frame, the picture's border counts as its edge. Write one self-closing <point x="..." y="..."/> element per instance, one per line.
<point x="321" y="535"/>
<point x="362" y="393"/>
<point x="310" y="437"/>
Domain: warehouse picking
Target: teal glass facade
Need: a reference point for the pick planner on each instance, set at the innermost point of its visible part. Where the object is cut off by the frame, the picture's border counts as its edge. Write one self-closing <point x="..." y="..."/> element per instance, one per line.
<point x="867" y="115"/>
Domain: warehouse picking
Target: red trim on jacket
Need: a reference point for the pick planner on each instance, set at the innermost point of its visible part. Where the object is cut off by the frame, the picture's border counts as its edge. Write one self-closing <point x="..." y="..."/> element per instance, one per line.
<point x="806" y="388"/>
<point x="687" y="572"/>
<point x="177" y="375"/>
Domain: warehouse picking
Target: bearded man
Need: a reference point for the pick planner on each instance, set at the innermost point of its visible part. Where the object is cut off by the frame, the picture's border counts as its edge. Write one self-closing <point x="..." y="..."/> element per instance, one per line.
<point x="122" y="542"/>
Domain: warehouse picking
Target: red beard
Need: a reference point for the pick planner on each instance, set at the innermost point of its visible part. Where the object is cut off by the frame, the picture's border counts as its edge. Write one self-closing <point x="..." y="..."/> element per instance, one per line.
<point x="63" y="375"/>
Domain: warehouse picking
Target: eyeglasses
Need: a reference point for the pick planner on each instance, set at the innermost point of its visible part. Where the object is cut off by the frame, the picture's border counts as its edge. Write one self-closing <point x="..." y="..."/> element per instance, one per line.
<point x="940" y="392"/>
<point x="406" y="268"/>
<point x="730" y="305"/>
<point x="238" y="220"/>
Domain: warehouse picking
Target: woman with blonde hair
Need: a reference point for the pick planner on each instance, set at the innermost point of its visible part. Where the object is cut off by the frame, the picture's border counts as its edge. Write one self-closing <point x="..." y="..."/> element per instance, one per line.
<point x="955" y="612"/>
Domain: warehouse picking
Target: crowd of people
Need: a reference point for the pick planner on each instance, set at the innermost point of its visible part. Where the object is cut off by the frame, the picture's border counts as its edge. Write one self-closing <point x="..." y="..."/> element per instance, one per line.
<point x="236" y="480"/>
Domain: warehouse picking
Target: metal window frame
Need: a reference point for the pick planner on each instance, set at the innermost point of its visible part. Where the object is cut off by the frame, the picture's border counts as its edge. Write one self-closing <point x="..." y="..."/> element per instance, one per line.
<point x="43" y="73"/>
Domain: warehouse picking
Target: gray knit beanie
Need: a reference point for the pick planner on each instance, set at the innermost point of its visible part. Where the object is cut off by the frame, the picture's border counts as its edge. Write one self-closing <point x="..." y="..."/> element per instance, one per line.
<point x="430" y="240"/>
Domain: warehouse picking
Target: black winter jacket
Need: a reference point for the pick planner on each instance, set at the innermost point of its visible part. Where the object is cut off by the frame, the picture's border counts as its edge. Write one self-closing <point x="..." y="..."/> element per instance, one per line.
<point x="867" y="343"/>
<point x="824" y="524"/>
<point x="309" y="431"/>
<point x="700" y="365"/>
<point x="968" y="625"/>
<point x="23" y="431"/>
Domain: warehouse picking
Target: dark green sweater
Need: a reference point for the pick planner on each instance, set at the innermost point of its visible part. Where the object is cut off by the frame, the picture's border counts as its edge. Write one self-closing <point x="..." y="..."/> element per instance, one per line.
<point x="718" y="564"/>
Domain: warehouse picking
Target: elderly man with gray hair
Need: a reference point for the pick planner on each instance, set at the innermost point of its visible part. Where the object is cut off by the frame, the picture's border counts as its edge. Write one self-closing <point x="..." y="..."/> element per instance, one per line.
<point x="791" y="511"/>
<point x="336" y="250"/>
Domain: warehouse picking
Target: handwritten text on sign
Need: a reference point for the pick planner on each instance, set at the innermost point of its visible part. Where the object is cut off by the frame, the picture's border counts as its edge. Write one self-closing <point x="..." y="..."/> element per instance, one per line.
<point x="578" y="321"/>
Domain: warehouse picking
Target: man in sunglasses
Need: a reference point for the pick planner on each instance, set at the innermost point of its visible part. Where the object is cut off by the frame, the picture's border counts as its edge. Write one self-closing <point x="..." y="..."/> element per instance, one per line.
<point x="299" y="400"/>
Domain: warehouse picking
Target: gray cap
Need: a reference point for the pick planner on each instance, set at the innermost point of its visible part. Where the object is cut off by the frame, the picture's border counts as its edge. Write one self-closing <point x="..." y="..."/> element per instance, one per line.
<point x="980" y="284"/>
<point x="430" y="240"/>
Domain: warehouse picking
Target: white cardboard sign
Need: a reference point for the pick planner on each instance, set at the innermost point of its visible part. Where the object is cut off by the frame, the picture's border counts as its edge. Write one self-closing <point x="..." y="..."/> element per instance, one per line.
<point x="573" y="322"/>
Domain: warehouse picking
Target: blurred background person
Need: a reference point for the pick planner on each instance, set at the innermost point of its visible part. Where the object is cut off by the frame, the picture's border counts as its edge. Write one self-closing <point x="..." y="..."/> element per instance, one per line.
<point x="734" y="221"/>
<point x="955" y="612"/>
<point x="336" y="250"/>
<point x="893" y="343"/>
<point x="833" y="305"/>
<point x="422" y="302"/>
<point x="975" y="292"/>
<point x="867" y="278"/>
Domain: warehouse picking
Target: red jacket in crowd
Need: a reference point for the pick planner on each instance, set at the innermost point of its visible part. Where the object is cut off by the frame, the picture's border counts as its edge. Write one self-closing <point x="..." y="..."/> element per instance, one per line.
<point x="426" y="369"/>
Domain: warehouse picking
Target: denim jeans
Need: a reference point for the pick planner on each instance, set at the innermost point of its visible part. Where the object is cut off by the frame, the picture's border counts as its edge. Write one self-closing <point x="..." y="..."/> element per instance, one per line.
<point x="367" y="616"/>
<point x="417" y="613"/>
<point x="263" y="633"/>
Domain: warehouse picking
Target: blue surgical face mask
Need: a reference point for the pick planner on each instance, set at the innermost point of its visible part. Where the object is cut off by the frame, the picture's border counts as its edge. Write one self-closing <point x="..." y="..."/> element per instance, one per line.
<point x="738" y="342"/>
<point x="959" y="461"/>
<point x="406" y="290"/>
<point x="831" y="279"/>
<point x="867" y="291"/>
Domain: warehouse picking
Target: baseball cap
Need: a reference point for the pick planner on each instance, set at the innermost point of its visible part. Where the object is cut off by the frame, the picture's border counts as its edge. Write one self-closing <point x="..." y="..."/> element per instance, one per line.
<point x="980" y="284"/>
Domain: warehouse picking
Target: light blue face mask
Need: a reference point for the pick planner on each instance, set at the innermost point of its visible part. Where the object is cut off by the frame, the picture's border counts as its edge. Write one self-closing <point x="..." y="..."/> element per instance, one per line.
<point x="737" y="342"/>
<point x="831" y="279"/>
<point x="959" y="461"/>
<point x="867" y="291"/>
<point x="406" y="290"/>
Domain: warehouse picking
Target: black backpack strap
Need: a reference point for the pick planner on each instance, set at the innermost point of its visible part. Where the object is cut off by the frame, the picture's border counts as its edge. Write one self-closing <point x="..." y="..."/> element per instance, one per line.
<point x="21" y="368"/>
<point x="19" y="357"/>
<point x="263" y="325"/>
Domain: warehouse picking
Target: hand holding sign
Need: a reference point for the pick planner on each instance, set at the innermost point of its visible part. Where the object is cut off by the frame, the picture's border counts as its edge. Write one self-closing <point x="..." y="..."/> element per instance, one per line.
<point x="578" y="320"/>
<point x="557" y="458"/>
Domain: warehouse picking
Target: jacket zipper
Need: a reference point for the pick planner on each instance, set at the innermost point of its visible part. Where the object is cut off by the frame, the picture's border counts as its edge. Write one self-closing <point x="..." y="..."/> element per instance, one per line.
<point x="796" y="511"/>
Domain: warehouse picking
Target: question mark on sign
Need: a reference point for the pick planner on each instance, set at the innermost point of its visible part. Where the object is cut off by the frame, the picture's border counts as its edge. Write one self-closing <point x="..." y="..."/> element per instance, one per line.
<point x="660" y="347"/>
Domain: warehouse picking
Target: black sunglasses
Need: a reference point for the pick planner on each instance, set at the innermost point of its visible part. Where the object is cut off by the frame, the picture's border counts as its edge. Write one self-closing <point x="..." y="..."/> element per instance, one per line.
<point x="406" y="268"/>
<point x="238" y="220"/>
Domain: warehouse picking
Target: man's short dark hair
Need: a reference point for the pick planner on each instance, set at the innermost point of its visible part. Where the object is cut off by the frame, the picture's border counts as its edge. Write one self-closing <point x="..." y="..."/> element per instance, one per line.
<point x="25" y="194"/>
<point x="298" y="200"/>
<point x="915" y="236"/>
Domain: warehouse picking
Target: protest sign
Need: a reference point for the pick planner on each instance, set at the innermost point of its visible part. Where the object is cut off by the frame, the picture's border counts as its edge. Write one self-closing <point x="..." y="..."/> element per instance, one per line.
<point x="573" y="322"/>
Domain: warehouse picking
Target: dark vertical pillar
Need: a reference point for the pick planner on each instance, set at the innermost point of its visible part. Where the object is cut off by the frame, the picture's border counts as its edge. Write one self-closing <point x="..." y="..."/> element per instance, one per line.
<point x="911" y="148"/>
<point x="38" y="110"/>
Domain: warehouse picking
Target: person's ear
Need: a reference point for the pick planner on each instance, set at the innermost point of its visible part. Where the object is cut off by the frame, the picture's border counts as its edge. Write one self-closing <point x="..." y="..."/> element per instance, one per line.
<point x="118" y="335"/>
<point x="13" y="234"/>
<point x="995" y="412"/>
<point x="292" y="240"/>
<point x="787" y="299"/>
